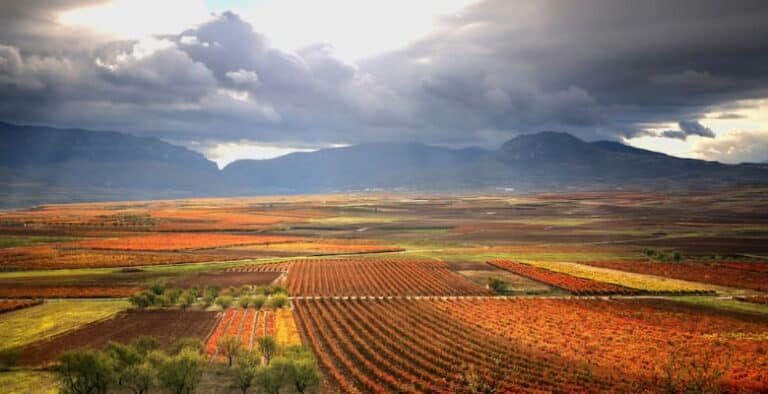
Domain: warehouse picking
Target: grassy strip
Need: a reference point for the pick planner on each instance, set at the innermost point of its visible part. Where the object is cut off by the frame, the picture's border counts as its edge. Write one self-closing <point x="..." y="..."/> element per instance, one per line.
<point x="19" y="328"/>
<point x="726" y="304"/>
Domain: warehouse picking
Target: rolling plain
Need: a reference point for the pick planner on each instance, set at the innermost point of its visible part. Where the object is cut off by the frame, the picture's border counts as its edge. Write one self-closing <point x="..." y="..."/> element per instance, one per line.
<point x="615" y="291"/>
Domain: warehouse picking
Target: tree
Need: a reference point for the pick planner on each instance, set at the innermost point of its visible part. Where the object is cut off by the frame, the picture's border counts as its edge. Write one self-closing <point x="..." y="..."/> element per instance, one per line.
<point x="245" y="369"/>
<point x="173" y="295"/>
<point x="141" y="300"/>
<point x="123" y="356"/>
<point x="224" y="302"/>
<point x="157" y="288"/>
<point x="271" y="378"/>
<point x="85" y="371"/>
<point x="188" y="343"/>
<point x="258" y="301"/>
<point x="677" y="256"/>
<point x="213" y="291"/>
<point x="244" y="302"/>
<point x="138" y="377"/>
<point x="278" y="300"/>
<point x="194" y="291"/>
<point x="304" y="374"/>
<point x="145" y="344"/>
<point x="228" y="347"/>
<point x="181" y="373"/>
<point x="497" y="285"/>
<point x="187" y="300"/>
<point x="267" y="347"/>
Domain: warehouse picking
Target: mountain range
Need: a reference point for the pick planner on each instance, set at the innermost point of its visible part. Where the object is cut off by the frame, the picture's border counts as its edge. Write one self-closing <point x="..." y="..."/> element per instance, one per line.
<point x="42" y="164"/>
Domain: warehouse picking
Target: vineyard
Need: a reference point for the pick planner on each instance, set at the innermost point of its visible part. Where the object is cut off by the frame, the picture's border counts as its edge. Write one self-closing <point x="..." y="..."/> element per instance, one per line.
<point x="370" y="277"/>
<point x="572" y="284"/>
<point x="45" y="257"/>
<point x="13" y="305"/>
<point x="651" y="284"/>
<point x="616" y="336"/>
<point x="379" y="346"/>
<point x="244" y="324"/>
<point x="181" y="241"/>
<point x="440" y="294"/>
<point x="740" y="275"/>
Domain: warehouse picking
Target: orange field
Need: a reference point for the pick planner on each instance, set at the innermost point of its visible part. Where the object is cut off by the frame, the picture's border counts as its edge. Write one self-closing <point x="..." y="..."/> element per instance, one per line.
<point x="46" y="257"/>
<point x="326" y="246"/>
<point x="12" y="305"/>
<point x="379" y="346"/>
<point x="245" y="324"/>
<point x="631" y="340"/>
<point x="181" y="241"/>
<point x="371" y="277"/>
<point x="746" y="275"/>
<point x="199" y="214"/>
<point x="575" y="285"/>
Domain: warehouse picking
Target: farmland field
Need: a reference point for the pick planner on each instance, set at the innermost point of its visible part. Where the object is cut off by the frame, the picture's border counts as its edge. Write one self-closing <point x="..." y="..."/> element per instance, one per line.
<point x="13" y="305"/>
<point x="558" y="292"/>
<point x="32" y="324"/>
<point x="167" y="326"/>
<point x="245" y="324"/>
<point x="371" y="277"/>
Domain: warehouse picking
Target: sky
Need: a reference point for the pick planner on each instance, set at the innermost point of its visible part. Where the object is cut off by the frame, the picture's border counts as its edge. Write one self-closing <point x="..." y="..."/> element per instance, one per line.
<point x="257" y="79"/>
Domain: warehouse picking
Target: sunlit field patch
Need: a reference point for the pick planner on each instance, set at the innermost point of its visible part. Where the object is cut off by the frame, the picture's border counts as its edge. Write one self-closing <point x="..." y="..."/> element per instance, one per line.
<point x="746" y="275"/>
<point x="33" y="324"/>
<point x="631" y="280"/>
<point x="575" y="285"/>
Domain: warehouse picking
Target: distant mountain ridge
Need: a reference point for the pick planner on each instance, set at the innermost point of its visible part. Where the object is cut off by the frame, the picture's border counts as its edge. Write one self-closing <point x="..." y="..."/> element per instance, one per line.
<point x="90" y="165"/>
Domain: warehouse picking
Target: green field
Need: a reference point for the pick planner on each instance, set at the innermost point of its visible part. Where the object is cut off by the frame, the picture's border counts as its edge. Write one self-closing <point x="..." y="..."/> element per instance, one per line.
<point x="28" y="325"/>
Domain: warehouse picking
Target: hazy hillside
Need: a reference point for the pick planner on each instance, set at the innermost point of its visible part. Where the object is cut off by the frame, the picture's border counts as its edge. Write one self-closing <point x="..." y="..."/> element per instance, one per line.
<point x="39" y="164"/>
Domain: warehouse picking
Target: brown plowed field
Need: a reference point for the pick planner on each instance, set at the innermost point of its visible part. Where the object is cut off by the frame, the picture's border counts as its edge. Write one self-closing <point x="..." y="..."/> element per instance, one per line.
<point x="166" y="325"/>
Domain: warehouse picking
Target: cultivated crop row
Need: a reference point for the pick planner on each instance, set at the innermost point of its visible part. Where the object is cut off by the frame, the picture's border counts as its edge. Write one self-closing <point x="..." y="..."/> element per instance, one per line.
<point x="742" y="275"/>
<point x="378" y="346"/>
<point x="372" y="277"/>
<point x="244" y="324"/>
<point x="651" y="284"/>
<point x="638" y="341"/>
<point x="575" y="285"/>
<point x="13" y="305"/>
<point x="181" y="241"/>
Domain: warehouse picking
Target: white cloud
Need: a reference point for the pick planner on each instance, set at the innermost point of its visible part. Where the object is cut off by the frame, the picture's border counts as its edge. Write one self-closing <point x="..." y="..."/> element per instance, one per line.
<point x="243" y="77"/>
<point x="136" y="19"/>
<point x="735" y="147"/>
<point x="225" y="153"/>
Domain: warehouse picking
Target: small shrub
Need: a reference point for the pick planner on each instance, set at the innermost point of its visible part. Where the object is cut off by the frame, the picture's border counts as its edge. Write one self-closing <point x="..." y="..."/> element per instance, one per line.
<point x="224" y="302"/>
<point x="278" y="301"/>
<point x="258" y="301"/>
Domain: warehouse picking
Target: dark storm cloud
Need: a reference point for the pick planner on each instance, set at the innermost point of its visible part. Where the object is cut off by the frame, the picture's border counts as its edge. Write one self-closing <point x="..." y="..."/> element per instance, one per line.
<point x="689" y="128"/>
<point x="597" y="68"/>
